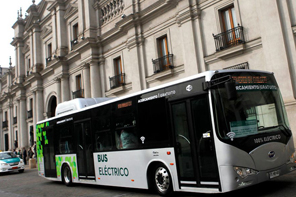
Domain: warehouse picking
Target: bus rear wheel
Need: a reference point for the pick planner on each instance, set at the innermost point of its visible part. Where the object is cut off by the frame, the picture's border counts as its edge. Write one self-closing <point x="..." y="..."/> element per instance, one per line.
<point x="67" y="176"/>
<point x="162" y="181"/>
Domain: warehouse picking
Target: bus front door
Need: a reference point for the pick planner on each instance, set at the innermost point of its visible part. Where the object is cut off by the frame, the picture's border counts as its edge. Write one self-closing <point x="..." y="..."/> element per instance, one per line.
<point x="84" y="150"/>
<point x="195" y="152"/>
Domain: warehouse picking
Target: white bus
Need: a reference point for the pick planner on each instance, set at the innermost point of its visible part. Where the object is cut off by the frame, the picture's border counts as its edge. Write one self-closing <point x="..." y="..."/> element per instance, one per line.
<point x="214" y="132"/>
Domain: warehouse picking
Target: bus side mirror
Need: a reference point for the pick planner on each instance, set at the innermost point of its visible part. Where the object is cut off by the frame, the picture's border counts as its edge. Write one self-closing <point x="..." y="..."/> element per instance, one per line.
<point x="231" y="90"/>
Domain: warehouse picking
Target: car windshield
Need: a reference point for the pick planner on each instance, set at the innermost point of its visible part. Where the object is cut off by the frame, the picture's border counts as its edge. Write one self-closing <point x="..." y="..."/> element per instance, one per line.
<point x="257" y="107"/>
<point x="7" y="156"/>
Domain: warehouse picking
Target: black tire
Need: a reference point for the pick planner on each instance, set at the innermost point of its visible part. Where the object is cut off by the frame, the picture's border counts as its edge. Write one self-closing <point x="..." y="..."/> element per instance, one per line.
<point x="66" y="175"/>
<point x="21" y="171"/>
<point x="162" y="180"/>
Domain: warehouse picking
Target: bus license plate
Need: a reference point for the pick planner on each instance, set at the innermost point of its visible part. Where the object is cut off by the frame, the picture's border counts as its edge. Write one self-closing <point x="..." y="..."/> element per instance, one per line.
<point x="274" y="174"/>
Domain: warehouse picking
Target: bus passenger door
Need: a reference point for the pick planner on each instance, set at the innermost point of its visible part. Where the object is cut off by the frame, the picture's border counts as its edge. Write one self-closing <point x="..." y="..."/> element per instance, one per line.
<point x="195" y="153"/>
<point x="49" y="154"/>
<point x="84" y="150"/>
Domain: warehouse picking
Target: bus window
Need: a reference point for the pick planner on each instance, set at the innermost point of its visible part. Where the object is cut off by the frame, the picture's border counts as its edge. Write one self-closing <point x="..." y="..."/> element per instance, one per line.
<point x="65" y="140"/>
<point x="126" y="136"/>
<point x="126" y="139"/>
<point x="103" y="141"/>
<point x="153" y="123"/>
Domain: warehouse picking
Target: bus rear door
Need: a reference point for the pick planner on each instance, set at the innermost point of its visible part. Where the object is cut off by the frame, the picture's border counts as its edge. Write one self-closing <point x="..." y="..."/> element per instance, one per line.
<point x="195" y="152"/>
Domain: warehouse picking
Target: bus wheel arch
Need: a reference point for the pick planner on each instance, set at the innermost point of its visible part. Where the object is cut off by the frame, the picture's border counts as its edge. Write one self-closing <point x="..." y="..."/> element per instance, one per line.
<point x="66" y="175"/>
<point x="159" y="179"/>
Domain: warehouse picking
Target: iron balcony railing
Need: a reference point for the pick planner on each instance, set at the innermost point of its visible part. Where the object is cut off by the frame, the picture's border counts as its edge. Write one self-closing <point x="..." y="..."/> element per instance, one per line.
<point x="30" y="114"/>
<point x="14" y="120"/>
<point x="5" y="124"/>
<point x="117" y="80"/>
<point x="78" y="94"/>
<point x="229" y="38"/>
<point x="163" y="63"/>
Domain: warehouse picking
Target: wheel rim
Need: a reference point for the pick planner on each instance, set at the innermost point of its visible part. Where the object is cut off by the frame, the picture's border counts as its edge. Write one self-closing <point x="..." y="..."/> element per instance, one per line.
<point x="162" y="179"/>
<point x="67" y="175"/>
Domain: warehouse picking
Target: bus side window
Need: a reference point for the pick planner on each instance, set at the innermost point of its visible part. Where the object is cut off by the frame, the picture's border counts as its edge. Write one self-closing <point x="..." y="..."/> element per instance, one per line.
<point x="65" y="140"/>
<point x="103" y="141"/>
<point x="126" y="139"/>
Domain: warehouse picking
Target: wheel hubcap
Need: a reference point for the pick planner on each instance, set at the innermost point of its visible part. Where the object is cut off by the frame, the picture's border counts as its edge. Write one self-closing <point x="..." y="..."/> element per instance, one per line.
<point x="162" y="179"/>
<point x="67" y="175"/>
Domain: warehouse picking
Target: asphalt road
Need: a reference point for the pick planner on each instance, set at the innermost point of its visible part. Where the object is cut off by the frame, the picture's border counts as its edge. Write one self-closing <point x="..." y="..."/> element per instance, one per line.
<point x="30" y="184"/>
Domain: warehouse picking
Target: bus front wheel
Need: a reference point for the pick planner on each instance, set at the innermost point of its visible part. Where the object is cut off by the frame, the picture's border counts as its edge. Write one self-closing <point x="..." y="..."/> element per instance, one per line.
<point x="162" y="180"/>
<point x="67" y="177"/>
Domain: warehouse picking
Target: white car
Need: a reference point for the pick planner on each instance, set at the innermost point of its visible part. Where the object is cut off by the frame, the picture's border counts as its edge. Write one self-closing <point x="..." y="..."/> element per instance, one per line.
<point x="9" y="162"/>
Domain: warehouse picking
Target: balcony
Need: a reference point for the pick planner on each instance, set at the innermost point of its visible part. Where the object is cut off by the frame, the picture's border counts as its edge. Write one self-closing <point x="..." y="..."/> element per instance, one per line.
<point x="74" y="42"/>
<point x="163" y="63"/>
<point x="14" y="120"/>
<point x="78" y="94"/>
<point x="117" y="81"/>
<point x="5" y="124"/>
<point x="229" y="38"/>
<point x="30" y="114"/>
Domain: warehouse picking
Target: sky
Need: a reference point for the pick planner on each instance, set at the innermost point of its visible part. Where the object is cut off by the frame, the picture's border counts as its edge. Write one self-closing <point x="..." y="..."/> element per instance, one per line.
<point x="8" y="16"/>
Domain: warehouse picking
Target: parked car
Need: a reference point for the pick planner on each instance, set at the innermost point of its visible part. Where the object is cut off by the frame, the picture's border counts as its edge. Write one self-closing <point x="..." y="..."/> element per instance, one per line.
<point x="10" y="162"/>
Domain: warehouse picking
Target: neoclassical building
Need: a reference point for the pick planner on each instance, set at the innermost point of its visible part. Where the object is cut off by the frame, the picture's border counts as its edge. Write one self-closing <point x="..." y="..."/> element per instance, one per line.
<point x="67" y="49"/>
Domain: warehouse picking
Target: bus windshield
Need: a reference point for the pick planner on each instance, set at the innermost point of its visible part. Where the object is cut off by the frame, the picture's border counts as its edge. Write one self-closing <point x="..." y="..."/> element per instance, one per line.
<point x="257" y="108"/>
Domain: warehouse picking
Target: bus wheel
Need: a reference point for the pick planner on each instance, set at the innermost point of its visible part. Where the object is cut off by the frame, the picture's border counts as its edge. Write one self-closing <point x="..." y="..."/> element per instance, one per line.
<point x="67" y="177"/>
<point x="163" y="180"/>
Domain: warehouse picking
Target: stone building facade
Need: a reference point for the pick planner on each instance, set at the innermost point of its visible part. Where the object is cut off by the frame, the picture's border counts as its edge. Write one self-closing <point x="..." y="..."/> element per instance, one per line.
<point x="104" y="48"/>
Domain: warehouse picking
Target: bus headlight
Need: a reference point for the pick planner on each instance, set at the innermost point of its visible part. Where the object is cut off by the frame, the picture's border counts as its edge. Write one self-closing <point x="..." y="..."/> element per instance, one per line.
<point x="4" y="164"/>
<point x="244" y="172"/>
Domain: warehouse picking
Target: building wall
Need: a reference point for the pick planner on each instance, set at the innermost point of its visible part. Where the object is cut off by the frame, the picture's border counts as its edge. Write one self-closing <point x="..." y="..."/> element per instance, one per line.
<point x="58" y="41"/>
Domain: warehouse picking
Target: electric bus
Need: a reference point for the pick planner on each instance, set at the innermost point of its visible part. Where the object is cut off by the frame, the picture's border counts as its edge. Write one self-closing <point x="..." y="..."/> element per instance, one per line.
<point x="213" y="132"/>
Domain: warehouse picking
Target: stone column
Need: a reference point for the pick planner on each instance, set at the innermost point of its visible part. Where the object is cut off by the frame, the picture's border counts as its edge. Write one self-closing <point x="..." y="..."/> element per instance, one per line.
<point x="61" y="31"/>
<point x="58" y="86"/>
<point x="54" y="30"/>
<point x="86" y="81"/>
<point x="65" y="91"/>
<point x="102" y="76"/>
<point x="95" y="82"/>
<point x="20" y="73"/>
<point x="37" y="52"/>
<point x="39" y="105"/>
<point x="23" y="125"/>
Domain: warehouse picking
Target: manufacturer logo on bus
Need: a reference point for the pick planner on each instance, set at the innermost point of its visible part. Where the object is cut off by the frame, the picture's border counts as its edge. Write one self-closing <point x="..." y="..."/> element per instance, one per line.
<point x="271" y="154"/>
<point x="189" y="88"/>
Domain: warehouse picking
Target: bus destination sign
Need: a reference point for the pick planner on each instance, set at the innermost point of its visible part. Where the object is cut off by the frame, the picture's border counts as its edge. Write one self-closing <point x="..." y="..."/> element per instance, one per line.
<point x="250" y="83"/>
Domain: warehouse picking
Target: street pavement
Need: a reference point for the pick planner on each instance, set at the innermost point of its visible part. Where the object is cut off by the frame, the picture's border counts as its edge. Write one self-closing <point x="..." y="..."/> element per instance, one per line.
<point x="29" y="184"/>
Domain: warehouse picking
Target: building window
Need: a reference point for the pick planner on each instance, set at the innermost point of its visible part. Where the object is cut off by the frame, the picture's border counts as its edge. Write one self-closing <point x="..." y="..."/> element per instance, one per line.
<point x="231" y="32"/>
<point x="119" y="78"/>
<point x="5" y="116"/>
<point x="165" y="59"/>
<point x="229" y="25"/>
<point x="162" y="46"/>
<point x="228" y="17"/>
<point x="117" y="66"/>
<point x="75" y="35"/>
<point x="79" y="91"/>
<point x="30" y="112"/>
<point x="49" y="53"/>
<point x="5" y="122"/>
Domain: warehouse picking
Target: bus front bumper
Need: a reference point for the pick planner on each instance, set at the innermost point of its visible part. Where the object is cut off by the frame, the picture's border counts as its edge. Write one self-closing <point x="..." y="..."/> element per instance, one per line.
<point x="232" y="180"/>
